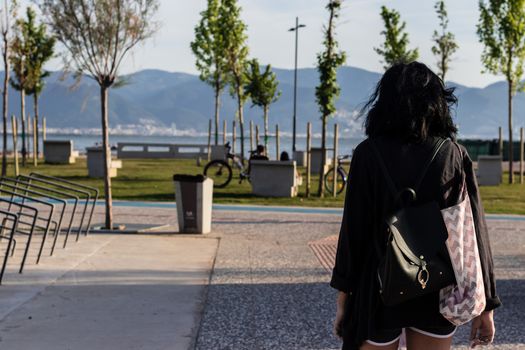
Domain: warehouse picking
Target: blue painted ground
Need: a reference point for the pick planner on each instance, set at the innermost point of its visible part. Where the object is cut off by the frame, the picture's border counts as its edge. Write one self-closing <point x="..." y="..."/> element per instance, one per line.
<point x="279" y="209"/>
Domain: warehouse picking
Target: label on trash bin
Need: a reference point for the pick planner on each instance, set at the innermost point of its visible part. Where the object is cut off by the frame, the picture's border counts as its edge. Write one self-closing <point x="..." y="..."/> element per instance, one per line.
<point x="189" y="206"/>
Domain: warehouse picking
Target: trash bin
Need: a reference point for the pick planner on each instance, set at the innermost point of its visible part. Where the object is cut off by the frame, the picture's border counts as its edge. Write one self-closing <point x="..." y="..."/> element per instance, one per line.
<point x="194" y="197"/>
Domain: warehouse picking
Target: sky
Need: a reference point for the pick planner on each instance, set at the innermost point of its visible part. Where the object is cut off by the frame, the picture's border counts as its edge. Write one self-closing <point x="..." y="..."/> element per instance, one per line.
<point x="358" y="32"/>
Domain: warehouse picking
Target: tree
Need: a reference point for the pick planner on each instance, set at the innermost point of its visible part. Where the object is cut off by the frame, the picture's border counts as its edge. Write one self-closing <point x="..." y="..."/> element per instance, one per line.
<point x="7" y="12"/>
<point x="262" y="89"/>
<point x="395" y="47"/>
<point x="208" y="48"/>
<point x="20" y="51"/>
<point x="42" y="48"/>
<point x="236" y="52"/>
<point x="328" y="90"/>
<point x="445" y="42"/>
<point x="97" y="35"/>
<point x="501" y="30"/>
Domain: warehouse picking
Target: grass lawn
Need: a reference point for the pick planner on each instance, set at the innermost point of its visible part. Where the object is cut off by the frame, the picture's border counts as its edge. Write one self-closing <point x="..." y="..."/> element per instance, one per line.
<point x="150" y="180"/>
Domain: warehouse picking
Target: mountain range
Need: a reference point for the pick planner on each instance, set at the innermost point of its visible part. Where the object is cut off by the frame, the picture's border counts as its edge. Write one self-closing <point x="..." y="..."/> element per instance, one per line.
<point x="158" y="101"/>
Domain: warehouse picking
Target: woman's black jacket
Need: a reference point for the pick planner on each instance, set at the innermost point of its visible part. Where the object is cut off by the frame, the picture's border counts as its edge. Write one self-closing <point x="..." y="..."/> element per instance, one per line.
<point x="367" y="202"/>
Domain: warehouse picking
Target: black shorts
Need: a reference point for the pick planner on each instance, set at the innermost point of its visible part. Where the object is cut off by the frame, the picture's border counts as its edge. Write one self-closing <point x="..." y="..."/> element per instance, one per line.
<point x="390" y="336"/>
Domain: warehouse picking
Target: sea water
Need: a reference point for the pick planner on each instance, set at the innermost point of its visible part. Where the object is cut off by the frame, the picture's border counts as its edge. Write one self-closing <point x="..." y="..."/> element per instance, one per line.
<point x="80" y="142"/>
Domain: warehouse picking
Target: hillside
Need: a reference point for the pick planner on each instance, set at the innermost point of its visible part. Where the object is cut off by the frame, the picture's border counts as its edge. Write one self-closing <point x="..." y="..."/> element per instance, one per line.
<point x="154" y="100"/>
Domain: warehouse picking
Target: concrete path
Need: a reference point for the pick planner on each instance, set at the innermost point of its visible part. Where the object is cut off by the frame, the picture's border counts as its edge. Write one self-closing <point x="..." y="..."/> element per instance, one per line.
<point x="109" y="292"/>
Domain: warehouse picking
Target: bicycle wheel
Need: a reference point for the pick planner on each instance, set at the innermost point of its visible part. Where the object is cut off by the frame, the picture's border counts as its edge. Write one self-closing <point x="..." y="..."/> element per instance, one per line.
<point x="329" y="181"/>
<point x="220" y="172"/>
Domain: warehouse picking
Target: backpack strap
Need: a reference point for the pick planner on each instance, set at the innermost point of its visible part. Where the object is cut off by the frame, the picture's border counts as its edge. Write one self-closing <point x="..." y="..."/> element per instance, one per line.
<point x="391" y="185"/>
<point x="435" y="152"/>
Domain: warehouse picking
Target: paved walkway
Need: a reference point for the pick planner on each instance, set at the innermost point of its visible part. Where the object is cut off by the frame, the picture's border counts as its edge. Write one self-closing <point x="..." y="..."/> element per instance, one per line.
<point x="268" y="290"/>
<point x="109" y="292"/>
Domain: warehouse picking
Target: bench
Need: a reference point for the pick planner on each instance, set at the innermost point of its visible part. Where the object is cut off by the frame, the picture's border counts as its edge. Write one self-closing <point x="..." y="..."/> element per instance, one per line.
<point x="59" y="152"/>
<point x="95" y="163"/>
<point x="139" y="150"/>
<point x="274" y="178"/>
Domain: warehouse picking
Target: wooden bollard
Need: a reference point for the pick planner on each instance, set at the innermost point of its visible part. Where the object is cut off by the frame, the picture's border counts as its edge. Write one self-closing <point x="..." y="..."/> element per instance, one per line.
<point x="224" y="130"/>
<point x="24" y="140"/>
<point x="500" y="141"/>
<point x="35" y="145"/>
<point x="277" y="142"/>
<point x="209" y="140"/>
<point x="29" y="134"/>
<point x="521" y="155"/>
<point x="251" y="136"/>
<point x="336" y="141"/>
<point x="15" y="144"/>
<point x="234" y="136"/>
<point x="44" y="129"/>
<point x="308" y="156"/>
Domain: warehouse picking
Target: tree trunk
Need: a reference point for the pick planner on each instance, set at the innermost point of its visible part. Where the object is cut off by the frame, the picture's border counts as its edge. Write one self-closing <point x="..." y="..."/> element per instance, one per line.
<point x="443" y="68"/>
<point x="266" y="128"/>
<point x="241" y="120"/>
<point x="4" y="108"/>
<point x="107" y="156"/>
<point x="511" y="153"/>
<point x="23" y="119"/>
<point x="217" y="106"/>
<point x="36" y="131"/>
<point x="320" y="191"/>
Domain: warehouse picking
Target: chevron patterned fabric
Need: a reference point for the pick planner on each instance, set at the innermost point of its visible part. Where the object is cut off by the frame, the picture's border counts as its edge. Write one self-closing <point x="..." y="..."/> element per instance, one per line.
<point x="464" y="301"/>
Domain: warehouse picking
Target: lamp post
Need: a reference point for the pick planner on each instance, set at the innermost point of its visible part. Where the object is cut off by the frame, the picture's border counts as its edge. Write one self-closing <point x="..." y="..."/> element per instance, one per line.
<point x="296" y="30"/>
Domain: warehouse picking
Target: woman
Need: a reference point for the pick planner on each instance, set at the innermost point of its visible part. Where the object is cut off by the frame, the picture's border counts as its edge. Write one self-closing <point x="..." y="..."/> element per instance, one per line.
<point x="407" y="114"/>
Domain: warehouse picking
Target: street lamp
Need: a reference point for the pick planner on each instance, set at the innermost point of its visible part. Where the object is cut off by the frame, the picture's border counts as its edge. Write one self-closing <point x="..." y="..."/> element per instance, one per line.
<point x="296" y="30"/>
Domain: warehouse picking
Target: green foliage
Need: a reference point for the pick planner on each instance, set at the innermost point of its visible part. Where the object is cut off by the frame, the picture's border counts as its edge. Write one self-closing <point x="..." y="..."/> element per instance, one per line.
<point x="328" y="90"/>
<point x="235" y="47"/>
<point x="445" y="42"/>
<point x="501" y="30"/>
<point x="42" y="50"/>
<point x="236" y="52"/>
<point x="262" y="86"/>
<point x="262" y="89"/>
<point x="21" y="48"/>
<point x="98" y="34"/>
<point x="327" y="63"/>
<point x="208" y="46"/>
<point x="395" y="47"/>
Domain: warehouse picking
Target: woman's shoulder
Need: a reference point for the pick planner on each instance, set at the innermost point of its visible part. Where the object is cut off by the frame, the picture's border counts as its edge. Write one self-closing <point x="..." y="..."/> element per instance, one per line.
<point x="362" y="152"/>
<point x="457" y="151"/>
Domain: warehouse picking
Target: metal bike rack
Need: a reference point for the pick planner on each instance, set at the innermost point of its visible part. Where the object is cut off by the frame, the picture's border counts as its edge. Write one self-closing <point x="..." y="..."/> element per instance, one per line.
<point x="14" y="184"/>
<point x="8" y="228"/>
<point x="37" y="203"/>
<point x="26" y="228"/>
<point x="33" y="195"/>
<point x="91" y="194"/>
<point x="21" y="180"/>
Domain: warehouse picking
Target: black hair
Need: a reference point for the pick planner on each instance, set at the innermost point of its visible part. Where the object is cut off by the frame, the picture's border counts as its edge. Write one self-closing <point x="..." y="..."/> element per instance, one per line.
<point x="411" y="102"/>
<point x="284" y="156"/>
<point x="261" y="149"/>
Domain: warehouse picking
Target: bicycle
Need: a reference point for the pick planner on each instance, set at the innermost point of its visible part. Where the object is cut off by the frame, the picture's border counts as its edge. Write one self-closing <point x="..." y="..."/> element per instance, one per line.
<point x="221" y="172"/>
<point x="342" y="176"/>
